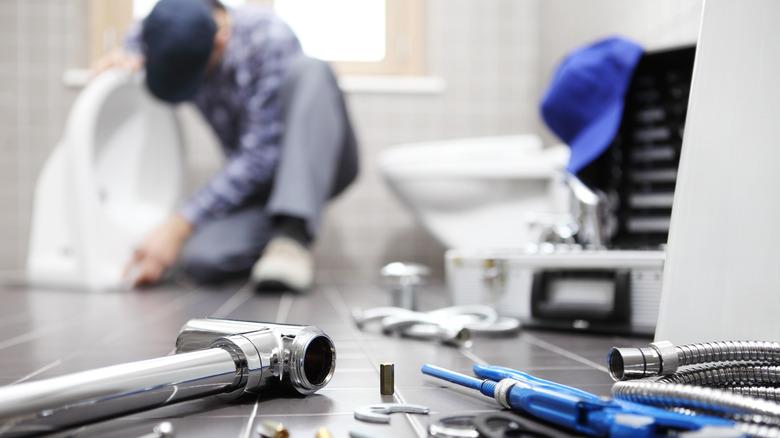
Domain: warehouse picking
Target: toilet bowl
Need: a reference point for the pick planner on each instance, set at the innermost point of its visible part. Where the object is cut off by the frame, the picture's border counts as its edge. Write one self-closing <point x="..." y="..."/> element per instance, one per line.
<point x="117" y="172"/>
<point x="479" y="192"/>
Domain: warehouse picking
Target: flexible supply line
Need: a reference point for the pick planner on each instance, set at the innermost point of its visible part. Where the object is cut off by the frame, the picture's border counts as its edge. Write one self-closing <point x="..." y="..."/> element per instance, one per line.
<point x="733" y="379"/>
<point x="661" y="358"/>
<point x="450" y="325"/>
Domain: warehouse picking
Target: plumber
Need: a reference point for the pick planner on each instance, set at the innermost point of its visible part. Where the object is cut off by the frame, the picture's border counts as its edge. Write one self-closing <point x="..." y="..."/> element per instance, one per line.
<point x="283" y="127"/>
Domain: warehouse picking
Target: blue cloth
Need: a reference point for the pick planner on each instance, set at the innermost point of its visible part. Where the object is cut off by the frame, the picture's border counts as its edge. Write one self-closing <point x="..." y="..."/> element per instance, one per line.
<point x="241" y="102"/>
<point x="583" y="104"/>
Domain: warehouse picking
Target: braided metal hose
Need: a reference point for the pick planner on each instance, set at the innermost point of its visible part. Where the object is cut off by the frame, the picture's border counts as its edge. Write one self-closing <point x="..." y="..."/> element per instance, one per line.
<point x="663" y="357"/>
<point x="755" y="351"/>
<point x="734" y="379"/>
<point x="705" y="400"/>
<point x="752" y="379"/>
<point x="759" y="430"/>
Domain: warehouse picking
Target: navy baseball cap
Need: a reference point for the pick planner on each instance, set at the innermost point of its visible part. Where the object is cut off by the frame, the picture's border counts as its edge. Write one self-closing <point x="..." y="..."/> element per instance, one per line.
<point x="177" y="38"/>
<point x="583" y="104"/>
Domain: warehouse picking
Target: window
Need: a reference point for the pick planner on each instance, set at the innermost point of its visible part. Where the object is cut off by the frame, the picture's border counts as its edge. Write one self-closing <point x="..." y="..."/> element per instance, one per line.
<point x="328" y="33"/>
<point x="141" y="8"/>
<point x="381" y="37"/>
<point x="108" y="21"/>
<point x="359" y="36"/>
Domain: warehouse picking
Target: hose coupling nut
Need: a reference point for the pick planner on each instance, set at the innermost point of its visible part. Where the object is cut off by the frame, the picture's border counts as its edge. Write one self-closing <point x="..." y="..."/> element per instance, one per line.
<point x="659" y="358"/>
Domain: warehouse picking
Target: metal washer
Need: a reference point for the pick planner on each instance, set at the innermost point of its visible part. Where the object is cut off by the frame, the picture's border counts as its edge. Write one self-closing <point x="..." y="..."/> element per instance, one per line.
<point x="453" y="427"/>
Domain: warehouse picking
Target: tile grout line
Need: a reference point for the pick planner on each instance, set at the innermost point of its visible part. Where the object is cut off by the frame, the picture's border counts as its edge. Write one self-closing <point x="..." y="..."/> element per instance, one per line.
<point x="282" y="313"/>
<point x="285" y="305"/>
<point x="331" y="292"/>
<point x="31" y="335"/>
<point x="575" y="357"/>
<point x="43" y="331"/>
<point x="177" y="303"/>
<point x="43" y="369"/>
<point x="470" y="355"/>
<point x="247" y="432"/>
<point x="343" y="311"/>
<point x="234" y="302"/>
<point x="187" y="299"/>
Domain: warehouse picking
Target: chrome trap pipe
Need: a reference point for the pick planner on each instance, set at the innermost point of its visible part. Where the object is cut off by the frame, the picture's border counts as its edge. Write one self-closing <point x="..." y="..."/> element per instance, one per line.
<point x="213" y="356"/>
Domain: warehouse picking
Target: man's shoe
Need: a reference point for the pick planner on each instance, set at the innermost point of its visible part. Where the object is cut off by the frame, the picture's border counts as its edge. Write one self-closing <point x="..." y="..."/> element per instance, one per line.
<point x="284" y="265"/>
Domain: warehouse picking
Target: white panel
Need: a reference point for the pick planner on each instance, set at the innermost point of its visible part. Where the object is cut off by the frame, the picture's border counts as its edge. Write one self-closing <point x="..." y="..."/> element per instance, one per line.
<point x="722" y="275"/>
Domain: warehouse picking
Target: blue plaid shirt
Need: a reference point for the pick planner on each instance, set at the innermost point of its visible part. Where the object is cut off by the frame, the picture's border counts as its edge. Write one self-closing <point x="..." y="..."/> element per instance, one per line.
<point x="241" y="102"/>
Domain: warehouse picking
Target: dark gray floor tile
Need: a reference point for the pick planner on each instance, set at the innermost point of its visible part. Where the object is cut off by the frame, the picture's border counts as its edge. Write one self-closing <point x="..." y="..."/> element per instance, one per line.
<point x="46" y="333"/>
<point x="443" y="398"/>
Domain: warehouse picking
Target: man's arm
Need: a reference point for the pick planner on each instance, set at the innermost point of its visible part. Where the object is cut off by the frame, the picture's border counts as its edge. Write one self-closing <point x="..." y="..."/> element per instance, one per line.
<point x="129" y="57"/>
<point x="159" y="250"/>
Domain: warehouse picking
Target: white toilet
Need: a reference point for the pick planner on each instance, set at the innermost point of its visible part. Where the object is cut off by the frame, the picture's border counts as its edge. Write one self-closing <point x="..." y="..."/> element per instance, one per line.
<point x="116" y="174"/>
<point x="479" y="192"/>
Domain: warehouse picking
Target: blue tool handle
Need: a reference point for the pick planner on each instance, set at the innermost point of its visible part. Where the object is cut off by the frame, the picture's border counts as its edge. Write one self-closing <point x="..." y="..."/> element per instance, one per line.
<point x="498" y="373"/>
<point x="607" y="418"/>
<point x="457" y="378"/>
<point x="561" y="408"/>
<point x="664" y="419"/>
<point x="557" y="407"/>
<point x="578" y="410"/>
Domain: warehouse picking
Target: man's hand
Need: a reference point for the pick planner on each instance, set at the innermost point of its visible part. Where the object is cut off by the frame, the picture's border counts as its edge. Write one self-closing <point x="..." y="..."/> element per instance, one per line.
<point x="158" y="251"/>
<point x="117" y="58"/>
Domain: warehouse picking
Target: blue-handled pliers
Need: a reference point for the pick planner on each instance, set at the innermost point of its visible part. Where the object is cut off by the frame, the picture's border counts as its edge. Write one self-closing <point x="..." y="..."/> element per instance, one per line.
<point x="581" y="411"/>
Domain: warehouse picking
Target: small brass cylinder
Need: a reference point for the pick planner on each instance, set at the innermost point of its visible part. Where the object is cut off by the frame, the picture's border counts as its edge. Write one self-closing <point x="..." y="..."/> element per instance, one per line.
<point x="270" y="429"/>
<point x="386" y="379"/>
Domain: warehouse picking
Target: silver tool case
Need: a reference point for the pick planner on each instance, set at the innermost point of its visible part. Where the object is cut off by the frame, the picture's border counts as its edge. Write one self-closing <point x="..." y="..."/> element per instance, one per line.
<point x="616" y="289"/>
<point x="564" y="287"/>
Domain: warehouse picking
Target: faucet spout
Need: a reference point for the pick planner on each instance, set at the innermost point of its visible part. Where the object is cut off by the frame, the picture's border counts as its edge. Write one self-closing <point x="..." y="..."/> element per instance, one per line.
<point x="213" y="357"/>
<point x="588" y="208"/>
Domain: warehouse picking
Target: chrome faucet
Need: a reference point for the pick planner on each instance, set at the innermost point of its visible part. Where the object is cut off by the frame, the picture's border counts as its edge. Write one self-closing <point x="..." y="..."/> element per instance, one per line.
<point x="213" y="356"/>
<point x="588" y="210"/>
<point x="585" y="224"/>
<point x="404" y="281"/>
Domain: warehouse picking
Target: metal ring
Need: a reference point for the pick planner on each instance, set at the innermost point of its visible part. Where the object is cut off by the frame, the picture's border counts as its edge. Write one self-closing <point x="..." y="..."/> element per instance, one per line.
<point x="454" y="427"/>
<point x="502" y="425"/>
<point x="501" y="393"/>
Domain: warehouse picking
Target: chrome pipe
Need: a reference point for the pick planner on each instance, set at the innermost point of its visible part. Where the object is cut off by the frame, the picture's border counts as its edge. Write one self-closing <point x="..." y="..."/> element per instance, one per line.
<point x="58" y="403"/>
<point x="214" y="357"/>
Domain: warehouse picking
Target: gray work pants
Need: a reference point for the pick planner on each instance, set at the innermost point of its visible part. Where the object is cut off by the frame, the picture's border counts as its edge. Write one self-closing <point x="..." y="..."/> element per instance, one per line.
<point x="318" y="160"/>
